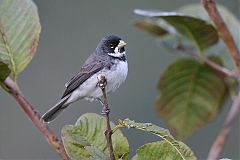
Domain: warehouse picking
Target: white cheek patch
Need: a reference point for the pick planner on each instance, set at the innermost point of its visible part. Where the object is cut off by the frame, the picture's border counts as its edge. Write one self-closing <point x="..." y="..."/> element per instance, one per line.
<point x="116" y="50"/>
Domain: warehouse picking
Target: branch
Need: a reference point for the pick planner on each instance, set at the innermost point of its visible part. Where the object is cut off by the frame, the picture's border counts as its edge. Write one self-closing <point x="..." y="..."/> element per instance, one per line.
<point x="223" y="31"/>
<point x="208" y="62"/>
<point x="219" y="143"/>
<point x="102" y="82"/>
<point x="34" y="116"/>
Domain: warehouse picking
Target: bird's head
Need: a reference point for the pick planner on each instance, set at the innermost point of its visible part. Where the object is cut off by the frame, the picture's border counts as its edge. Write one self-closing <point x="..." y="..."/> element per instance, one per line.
<point x="112" y="45"/>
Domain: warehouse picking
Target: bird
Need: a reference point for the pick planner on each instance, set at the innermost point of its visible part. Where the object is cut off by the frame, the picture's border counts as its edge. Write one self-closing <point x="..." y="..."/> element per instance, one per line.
<point x="108" y="60"/>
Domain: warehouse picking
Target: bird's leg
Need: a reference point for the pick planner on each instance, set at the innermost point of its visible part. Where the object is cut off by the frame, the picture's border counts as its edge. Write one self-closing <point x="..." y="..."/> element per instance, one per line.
<point x="104" y="110"/>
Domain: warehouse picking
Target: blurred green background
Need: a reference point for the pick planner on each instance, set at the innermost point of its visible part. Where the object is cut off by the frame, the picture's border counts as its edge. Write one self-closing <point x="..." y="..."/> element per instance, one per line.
<point x="70" y="32"/>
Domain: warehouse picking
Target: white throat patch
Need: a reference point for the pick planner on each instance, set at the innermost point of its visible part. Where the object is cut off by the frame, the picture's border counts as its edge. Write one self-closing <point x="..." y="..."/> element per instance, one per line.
<point x="117" y="53"/>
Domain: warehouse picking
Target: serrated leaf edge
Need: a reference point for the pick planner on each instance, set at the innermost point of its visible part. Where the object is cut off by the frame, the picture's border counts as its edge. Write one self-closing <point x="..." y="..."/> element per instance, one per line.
<point x="131" y="124"/>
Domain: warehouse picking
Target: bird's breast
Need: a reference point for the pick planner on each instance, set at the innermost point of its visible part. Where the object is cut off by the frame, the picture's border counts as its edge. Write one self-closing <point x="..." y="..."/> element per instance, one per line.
<point x="116" y="75"/>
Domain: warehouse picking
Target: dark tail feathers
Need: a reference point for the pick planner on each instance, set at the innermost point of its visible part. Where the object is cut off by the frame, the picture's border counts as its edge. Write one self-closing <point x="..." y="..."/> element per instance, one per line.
<point x="52" y="113"/>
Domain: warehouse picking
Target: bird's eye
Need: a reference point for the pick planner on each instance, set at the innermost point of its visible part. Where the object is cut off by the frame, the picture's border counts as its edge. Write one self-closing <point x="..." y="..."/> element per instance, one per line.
<point x="111" y="46"/>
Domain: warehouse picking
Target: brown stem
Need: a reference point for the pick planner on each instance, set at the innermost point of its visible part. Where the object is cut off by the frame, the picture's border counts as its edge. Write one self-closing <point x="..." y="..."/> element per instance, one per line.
<point x="223" y="31"/>
<point x="219" y="143"/>
<point x="222" y="70"/>
<point x="34" y="116"/>
<point x="102" y="82"/>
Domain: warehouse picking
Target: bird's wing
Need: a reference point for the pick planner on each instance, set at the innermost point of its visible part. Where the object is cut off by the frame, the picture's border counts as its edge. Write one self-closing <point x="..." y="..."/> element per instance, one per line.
<point x="85" y="72"/>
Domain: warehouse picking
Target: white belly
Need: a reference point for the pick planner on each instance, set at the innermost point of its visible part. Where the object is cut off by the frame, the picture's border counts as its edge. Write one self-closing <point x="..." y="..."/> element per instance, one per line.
<point x="89" y="89"/>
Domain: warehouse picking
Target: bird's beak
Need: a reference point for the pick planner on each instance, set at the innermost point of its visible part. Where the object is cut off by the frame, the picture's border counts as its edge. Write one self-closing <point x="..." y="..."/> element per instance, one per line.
<point x="121" y="44"/>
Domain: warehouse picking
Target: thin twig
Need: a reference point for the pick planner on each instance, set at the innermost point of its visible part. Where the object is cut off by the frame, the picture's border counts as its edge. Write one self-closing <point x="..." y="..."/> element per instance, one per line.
<point x="219" y="143"/>
<point x="208" y="62"/>
<point x="225" y="34"/>
<point x="223" y="31"/>
<point x="102" y="82"/>
<point x="34" y="116"/>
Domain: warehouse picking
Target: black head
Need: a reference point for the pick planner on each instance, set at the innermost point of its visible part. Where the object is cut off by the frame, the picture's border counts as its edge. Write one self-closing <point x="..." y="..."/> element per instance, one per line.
<point x="112" y="45"/>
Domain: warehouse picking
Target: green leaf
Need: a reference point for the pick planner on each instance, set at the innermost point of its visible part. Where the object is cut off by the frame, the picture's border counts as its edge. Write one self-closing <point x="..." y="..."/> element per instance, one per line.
<point x="4" y="71"/>
<point x="196" y="10"/>
<point x="202" y="34"/>
<point x="163" y="151"/>
<point x="175" y="146"/>
<point x="231" y="21"/>
<point x="19" y="33"/>
<point x="191" y="95"/>
<point x="150" y="26"/>
<point x="86" y="139"/>
<point x="96" y="153"/>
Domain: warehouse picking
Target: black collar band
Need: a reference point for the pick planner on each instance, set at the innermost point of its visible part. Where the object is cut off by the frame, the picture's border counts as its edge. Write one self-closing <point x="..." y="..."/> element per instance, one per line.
<point x="123" y="58"/>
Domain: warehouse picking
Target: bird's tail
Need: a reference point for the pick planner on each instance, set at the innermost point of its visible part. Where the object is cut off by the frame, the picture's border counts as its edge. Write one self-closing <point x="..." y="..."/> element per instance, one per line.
<point x="53" y="112"/>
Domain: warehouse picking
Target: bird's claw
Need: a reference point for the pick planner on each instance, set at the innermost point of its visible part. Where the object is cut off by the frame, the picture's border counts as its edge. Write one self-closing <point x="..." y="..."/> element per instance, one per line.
<point x="102" y="82"/>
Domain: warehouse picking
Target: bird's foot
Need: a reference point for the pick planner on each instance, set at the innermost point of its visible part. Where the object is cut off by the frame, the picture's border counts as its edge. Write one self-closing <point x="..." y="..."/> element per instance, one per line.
<point x="102" y="82"/>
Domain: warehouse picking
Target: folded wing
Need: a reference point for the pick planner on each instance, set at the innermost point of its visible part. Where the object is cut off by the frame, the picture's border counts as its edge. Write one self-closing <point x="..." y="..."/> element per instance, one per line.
<point x="85" y="72"/>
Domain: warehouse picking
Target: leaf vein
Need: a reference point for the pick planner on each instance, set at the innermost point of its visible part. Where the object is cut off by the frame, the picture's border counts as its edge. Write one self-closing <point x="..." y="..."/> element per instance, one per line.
<point x="9" y="51"/>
